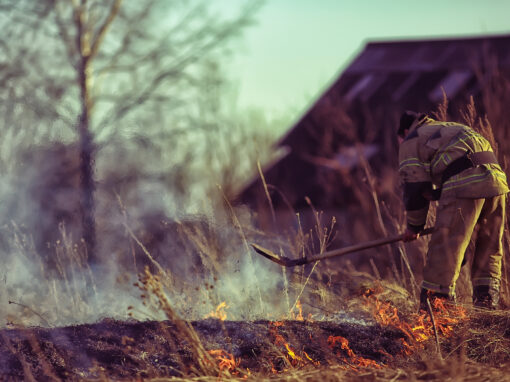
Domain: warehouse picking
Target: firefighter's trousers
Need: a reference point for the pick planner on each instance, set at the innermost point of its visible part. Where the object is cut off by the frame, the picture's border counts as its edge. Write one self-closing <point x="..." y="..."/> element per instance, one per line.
<point x="456" y="220"/>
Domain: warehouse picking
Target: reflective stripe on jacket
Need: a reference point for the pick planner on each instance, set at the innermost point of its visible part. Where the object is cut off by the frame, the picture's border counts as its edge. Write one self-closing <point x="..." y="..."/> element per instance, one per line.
<point x="428" y="149"/>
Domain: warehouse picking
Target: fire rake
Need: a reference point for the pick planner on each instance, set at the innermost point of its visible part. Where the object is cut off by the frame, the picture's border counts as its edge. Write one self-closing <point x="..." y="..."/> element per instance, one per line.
<point x="287" y="262"/>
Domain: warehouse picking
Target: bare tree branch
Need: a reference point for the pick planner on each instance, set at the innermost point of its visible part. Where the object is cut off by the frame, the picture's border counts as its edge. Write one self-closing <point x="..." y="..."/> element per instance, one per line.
<point x="64" y="35"/>
<point x="212" y="36"/>
<point x="114" y="10"/>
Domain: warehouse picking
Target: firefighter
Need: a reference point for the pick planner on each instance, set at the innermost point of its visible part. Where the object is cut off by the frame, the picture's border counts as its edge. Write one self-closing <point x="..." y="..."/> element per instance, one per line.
<point x="455" y="165"/>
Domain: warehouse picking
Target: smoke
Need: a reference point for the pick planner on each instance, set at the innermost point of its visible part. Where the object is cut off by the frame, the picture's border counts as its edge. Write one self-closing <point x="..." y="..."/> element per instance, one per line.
<point x="46" y="279"/>
<point x="252" y="289"/>
<point x="31" y="298"/>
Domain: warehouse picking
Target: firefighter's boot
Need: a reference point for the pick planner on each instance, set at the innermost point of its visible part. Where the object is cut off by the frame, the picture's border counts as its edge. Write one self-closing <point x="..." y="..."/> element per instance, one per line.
<point x="486" y="297"/>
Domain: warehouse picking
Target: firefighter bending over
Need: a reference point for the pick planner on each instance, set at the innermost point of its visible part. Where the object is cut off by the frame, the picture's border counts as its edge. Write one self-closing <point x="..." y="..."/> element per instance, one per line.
<point x="454" y="164"/>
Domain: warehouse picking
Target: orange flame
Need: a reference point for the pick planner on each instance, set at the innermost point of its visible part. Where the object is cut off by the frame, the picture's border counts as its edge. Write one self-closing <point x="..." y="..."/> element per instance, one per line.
<point x="226" y="361"/>
<point x="420" y="328"/>
<point x="291" y="355"/>
<point x="299" y="315"/>
<point x="352" y="359"/>
<point x="219" y="313"/>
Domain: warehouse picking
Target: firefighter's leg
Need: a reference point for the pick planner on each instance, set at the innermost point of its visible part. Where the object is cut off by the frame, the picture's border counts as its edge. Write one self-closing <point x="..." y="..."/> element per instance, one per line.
<point x="486" y="270"/>
<point x="455" y="222"/>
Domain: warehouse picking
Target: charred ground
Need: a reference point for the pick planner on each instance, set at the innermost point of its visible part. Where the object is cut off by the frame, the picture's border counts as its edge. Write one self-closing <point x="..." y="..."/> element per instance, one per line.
<point x="131" y="349"/>
<point x="120" y="349"/>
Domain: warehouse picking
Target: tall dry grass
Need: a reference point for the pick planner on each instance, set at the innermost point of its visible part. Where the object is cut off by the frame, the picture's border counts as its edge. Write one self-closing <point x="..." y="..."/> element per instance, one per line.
<point x="323" y="293"/>
<point x="187" y="271"/>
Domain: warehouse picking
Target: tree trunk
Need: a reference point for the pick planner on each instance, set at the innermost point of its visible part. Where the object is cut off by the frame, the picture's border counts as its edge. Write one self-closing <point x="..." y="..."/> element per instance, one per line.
<point x="87" y="154"/>
<point x="86" y="140"/>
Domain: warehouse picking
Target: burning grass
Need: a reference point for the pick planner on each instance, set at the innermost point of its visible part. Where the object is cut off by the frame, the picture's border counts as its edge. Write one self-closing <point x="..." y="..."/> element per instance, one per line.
<point x="339" y="324"/>
<point x="347" y="326"/>
<point x="418" y="327"/>
<point x="378" y="343"/>
<point x="213" y="312"/>
<point x="235" y="348"/>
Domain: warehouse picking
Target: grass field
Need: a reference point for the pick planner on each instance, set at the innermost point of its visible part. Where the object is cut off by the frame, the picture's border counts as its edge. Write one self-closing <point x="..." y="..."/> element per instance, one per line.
<point x="188" y="299"/>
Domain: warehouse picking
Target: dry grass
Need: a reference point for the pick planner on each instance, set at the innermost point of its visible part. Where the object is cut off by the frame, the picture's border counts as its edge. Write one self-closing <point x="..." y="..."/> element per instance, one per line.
<point x="186" y="269"/>
<point x="467" y="353"/>
<point x="431" y="371"/>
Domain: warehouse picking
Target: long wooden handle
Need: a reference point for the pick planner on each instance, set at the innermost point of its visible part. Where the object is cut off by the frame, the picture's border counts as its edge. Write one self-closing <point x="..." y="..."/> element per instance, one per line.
<point x="356" y="247"/>
<point x="286" y="262"/>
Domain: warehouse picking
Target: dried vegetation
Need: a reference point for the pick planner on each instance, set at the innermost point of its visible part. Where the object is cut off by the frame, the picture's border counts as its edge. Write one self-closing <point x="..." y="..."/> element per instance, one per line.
<point x="339" y="320"/>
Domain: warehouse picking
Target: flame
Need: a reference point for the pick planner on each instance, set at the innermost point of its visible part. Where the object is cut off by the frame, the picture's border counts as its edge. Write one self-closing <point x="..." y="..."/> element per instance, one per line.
<point x="447" y="315"/>
<point x="302" y="358"/>
<point x="308" y="357"/>
<point x="299" y="315"/>
<point x="291" y="355"/>
<point x="352" y="359"/>
<point x="219" y="313"/>
<point x="273" y="331"/>
<point x="226" y="361"/>
<point x="420" y="327"/>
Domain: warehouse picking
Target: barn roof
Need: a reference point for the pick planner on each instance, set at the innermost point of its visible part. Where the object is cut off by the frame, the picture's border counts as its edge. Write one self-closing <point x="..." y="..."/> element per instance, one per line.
<point x="397" y="68"/>
<point x="429" y="55"/>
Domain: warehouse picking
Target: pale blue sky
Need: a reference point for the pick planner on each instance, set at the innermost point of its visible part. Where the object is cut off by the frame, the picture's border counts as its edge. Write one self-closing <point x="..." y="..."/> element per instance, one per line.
<point x="299" y="46"/>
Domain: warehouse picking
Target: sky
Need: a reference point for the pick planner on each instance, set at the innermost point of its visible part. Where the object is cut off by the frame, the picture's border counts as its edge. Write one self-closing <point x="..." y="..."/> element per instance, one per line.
<point x="299" y="47"/>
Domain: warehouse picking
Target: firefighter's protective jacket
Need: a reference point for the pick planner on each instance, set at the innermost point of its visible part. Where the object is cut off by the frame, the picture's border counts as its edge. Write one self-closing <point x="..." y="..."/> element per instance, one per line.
<point x="432" y="160"/>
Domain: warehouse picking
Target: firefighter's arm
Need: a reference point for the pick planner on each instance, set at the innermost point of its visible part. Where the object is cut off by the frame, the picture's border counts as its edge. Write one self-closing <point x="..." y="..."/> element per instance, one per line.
<point x="415" y="175"/>
<point x="416" y="204"/>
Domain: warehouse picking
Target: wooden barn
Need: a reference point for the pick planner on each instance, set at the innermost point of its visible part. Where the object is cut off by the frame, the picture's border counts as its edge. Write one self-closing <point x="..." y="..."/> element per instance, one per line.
<point x="353" y="122"/>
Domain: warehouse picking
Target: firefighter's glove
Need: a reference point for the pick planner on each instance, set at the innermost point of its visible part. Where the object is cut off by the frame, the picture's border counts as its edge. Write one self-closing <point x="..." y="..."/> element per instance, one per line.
<point x="410" y="235"/>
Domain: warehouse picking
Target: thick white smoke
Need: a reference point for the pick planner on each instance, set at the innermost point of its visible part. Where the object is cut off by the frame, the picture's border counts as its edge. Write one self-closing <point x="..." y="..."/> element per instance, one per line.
<point x="46" y="281"/>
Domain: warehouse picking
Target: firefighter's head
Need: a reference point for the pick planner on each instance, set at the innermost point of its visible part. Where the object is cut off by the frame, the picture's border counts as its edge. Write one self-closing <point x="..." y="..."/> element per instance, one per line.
<point x="407" y="120"/>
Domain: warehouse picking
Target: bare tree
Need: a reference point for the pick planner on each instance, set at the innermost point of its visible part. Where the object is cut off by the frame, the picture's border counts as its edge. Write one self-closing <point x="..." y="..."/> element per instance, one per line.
<point x="83" y="66"/>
